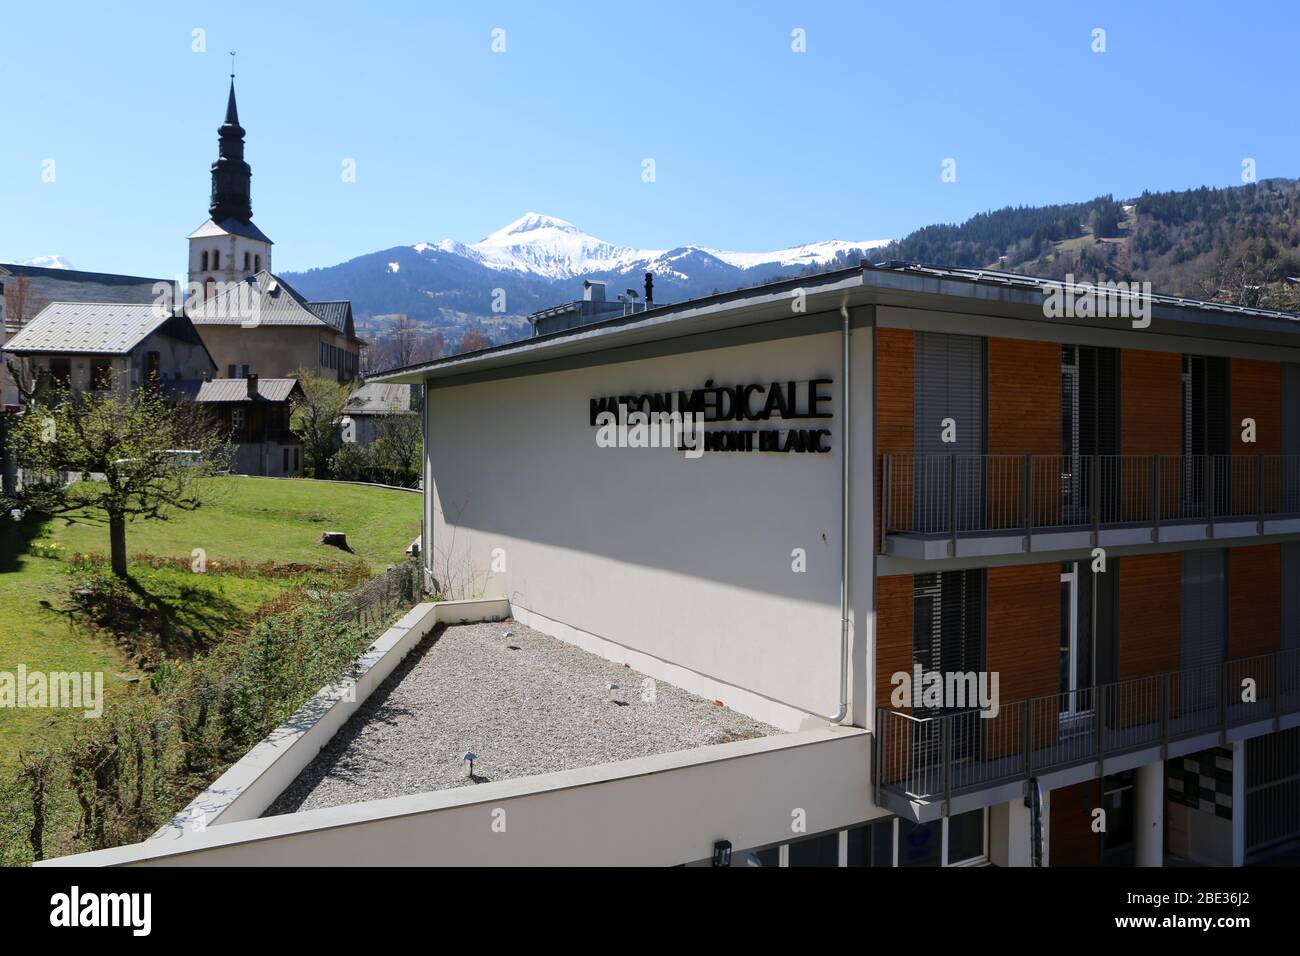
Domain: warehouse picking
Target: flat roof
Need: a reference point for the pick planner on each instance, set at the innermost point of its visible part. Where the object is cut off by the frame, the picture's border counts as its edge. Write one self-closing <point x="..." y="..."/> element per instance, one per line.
<point x="523" y="702"/>
<point x="900" y="284"/>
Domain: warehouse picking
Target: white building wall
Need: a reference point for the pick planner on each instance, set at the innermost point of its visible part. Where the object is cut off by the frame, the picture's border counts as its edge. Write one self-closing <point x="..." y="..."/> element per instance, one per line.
<point x="682" y="568"/>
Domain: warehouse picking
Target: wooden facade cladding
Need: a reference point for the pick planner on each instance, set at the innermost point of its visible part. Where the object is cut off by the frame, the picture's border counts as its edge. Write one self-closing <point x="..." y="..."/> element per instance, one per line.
<point x="893" y="632"/>
<point x="895" y="390"/>
<point x="1023" y="628"/>
<point x="1254" y="600"/>
<point x="1024" y="397"/>
<point x="1151" y="397"/>
<point x="1256" y="393"/>
<point x="895" y="411"/>
<point x="1150" y="599"/>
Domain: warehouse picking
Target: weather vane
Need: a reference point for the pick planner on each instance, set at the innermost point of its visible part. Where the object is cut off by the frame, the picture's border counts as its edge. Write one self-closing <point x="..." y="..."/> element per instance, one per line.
<point x="232" y="64"/>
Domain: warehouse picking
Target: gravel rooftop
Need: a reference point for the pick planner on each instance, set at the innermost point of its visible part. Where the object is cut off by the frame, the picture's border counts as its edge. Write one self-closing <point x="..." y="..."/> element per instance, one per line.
<point x="524" y="702"/>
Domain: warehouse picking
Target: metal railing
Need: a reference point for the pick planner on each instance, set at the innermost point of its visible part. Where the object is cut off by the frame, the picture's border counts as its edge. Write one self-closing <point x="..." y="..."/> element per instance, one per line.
<point x="929" y="756"/>
<point x="961" y="494"/>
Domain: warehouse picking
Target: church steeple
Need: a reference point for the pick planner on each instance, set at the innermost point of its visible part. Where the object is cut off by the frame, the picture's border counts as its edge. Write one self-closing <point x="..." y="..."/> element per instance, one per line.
<point x="231" y="176"/>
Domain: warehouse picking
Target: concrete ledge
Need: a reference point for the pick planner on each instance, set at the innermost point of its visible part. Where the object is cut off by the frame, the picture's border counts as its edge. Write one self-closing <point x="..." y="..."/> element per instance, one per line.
<point x="657" y="810"/>
<point x="250" y="786"/>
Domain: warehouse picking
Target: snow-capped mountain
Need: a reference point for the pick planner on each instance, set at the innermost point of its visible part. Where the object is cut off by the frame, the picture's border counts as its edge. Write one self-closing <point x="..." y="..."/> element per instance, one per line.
<point x="48" y="262"/>
<point x="535" y="262"/>
<point x="556" y="249"/>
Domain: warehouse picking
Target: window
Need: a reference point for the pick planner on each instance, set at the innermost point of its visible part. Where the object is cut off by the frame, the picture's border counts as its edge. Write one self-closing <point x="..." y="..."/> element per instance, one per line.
<point x="286" y="459"/>
<point x="948" y="841"/>
<point x="244" y="369"/>
<point x="61" y="372"/>
<point x="209" y="287"/>
<point x="920" y="844"/>
<point x="324" y="357"/>
<point x="966" y="837"/>
<point x="872" y="845"/>
<point x="152" y="369"/>
<point x="821" y="850"/>
<point x="297" y="460"/>
<point x="101" y="374"/>
<point x="237" y="419"/>
<point x="246" y="258"/>
<point x="257" y="263"/>
<point x="204" y="266"/>
<point x="216" y="259"/>
<point x="232" y="371"/>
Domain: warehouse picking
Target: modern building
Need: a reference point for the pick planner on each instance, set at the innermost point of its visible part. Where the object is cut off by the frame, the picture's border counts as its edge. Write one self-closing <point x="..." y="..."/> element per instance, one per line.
<point x="254" y="413"/>
<point x="96" y="346"/>
<point x="253" y="322"/>
<point x="1077" y="531"/>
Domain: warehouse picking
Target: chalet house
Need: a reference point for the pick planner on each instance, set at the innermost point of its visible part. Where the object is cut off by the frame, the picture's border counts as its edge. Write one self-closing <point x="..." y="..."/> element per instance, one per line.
<point x="254" y="412"/>
<point x="367" y="407"/>
<point x="95" y="346"/>
<point x="26" y="290"/>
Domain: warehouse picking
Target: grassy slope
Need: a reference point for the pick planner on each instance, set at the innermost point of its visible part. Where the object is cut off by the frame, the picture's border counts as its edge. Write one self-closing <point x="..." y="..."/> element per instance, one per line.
<point x="250" y="519"/>
<point x="264" y="519"/>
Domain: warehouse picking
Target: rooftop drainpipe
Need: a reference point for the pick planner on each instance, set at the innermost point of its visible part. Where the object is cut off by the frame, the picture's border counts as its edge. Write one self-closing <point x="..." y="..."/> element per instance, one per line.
<point x="845" y="432"/>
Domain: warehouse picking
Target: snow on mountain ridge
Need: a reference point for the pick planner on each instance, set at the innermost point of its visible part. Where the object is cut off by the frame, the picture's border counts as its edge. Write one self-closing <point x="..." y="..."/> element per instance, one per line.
<point x="557" y="249"/>
<point x="48" y="262"/>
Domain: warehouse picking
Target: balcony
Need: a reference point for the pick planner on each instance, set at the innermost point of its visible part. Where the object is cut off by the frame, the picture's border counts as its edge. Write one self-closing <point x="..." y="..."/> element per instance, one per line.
<point x="931" y="764"/>
<point x="944" y="506"/>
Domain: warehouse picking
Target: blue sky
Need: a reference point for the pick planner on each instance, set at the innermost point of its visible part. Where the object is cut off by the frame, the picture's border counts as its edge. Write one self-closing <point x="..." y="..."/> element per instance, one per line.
<point x="755" y="146"/>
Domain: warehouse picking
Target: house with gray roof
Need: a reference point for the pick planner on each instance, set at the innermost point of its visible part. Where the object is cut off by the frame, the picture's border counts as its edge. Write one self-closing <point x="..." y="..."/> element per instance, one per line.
<point x="263" y="326"/>
<point x="368" y="407"/>
<point x="95" y="346"/>
<point x="254" y="412"/>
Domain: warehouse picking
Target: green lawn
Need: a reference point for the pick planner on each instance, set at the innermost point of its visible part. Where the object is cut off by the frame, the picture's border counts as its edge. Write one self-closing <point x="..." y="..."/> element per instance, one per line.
<point x="266" y="519"/>
<point x="248" y="519"/>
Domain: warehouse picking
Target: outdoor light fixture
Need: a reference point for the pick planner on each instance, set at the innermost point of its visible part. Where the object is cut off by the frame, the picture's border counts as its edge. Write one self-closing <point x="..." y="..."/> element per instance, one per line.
<point x="722" y="853"/>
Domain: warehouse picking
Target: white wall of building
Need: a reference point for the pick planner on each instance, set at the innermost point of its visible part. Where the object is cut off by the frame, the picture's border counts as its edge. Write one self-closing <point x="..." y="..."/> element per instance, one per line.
<point x="683" y="568"/>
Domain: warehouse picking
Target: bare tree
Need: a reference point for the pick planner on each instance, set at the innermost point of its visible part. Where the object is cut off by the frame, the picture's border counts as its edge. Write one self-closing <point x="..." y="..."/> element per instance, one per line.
<point x="404" y="342"/>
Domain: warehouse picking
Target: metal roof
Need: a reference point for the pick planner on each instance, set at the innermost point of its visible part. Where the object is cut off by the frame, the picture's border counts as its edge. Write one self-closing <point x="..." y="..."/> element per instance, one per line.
<point x="230" y="227"/>
<point x="1016" y="280"/>
<point x="270" y="301"/>
<point x="334" y="312"/>
<point x="236" y="390"/>
<point x="97" y="328"/>
<point x="379" y="398"/>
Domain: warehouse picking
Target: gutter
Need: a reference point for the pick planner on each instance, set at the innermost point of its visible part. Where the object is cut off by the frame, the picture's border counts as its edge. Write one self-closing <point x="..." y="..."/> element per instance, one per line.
<point x="845" y="486"/>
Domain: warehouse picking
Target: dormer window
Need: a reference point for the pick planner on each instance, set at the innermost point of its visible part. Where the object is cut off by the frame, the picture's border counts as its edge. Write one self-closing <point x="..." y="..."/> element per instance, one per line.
<point x="204" y="267"/>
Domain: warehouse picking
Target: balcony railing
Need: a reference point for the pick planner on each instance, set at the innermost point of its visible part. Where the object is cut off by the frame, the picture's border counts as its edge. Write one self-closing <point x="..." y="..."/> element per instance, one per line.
<point x="930" y="757"/>
<point x="955" y="495"/>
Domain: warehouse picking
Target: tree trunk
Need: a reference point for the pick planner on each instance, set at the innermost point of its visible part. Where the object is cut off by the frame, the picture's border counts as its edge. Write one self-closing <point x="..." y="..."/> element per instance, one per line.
<point x="117" y="543"/>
